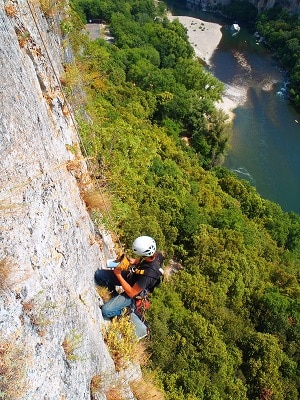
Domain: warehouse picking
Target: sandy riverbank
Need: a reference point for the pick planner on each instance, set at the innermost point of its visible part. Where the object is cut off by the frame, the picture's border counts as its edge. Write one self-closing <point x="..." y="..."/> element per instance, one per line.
<point x="205" y="38"/>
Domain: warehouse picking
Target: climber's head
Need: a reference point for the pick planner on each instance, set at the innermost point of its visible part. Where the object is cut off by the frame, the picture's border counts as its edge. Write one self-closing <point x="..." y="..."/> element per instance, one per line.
<point x="144" y="246"/>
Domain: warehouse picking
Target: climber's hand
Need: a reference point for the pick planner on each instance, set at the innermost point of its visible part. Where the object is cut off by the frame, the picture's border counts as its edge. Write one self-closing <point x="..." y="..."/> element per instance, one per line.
<point x="117" y="271"/>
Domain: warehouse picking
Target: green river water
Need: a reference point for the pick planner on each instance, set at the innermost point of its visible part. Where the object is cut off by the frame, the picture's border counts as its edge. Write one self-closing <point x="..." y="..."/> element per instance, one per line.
<point x="265" y="142"/>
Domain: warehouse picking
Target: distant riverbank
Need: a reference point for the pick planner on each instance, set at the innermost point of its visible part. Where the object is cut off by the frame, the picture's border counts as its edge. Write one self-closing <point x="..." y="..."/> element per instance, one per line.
<point x="205" y="38"/>
<point x="265" y="143"/>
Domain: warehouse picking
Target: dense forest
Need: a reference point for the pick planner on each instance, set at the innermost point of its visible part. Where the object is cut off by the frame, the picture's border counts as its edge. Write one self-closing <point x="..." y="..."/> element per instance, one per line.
<point x="227" y="324"/>
<point x="282" y="33"/>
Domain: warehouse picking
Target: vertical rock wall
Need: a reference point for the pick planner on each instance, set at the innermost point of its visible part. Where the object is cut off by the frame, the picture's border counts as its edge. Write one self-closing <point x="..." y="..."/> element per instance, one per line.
<point x="48" y="252"/>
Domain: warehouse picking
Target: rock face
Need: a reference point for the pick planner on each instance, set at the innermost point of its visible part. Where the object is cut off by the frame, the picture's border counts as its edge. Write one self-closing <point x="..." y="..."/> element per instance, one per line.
<point x="292" y="5"/>
<point x="50" y="320"/>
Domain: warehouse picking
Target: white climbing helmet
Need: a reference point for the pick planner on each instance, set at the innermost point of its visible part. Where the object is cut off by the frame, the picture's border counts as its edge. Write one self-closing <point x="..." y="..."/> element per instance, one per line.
<point x="144" y="246"/>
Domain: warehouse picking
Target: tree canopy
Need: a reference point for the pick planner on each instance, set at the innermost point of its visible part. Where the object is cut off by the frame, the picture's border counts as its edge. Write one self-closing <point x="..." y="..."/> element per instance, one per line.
<point x="282" y="33"/>
<point x="226" y="325"/>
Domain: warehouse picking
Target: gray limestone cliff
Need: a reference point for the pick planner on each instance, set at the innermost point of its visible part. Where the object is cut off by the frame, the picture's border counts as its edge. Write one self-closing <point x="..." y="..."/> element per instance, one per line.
<point x="50" y="320"/>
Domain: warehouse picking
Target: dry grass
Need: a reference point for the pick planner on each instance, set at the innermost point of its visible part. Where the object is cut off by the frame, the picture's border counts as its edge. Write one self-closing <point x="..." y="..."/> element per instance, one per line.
<point x="10" y="275"/>
<point x="37" y="315"/>
<point x="95" y="200"/>
<point x="5" y="272"/>
<point x="65" y="110"/>
<point x="10" y="10"/>
<point x="146" y="388"/>
<point x="9" y="208"/>
<point x="50" y="8"/>
<point x="96" y="385"/>
<point x="114" y="393"/>
<point x="141" y="354"/>
<point x="74" y="165"/>
<point x="71" y="343"/>
<point x="77" y="167"/>
<point x="13" y="361"/>
<point x="23" y="37"/>
<point x="49" y="98"/>
<point x="63" y="80"/>
<point x="103" y="292"/>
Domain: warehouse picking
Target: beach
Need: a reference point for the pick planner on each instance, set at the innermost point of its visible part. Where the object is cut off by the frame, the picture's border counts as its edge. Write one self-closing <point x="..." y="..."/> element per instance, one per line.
<point x="205" y="38"/>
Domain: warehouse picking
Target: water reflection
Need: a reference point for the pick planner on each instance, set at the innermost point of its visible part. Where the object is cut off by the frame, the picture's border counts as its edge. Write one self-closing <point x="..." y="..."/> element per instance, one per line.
<point x="265" y="146"/>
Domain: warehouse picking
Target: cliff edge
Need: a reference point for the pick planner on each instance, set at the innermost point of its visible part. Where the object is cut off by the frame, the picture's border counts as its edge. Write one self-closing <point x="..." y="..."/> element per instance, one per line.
<point x="51" y="341"/>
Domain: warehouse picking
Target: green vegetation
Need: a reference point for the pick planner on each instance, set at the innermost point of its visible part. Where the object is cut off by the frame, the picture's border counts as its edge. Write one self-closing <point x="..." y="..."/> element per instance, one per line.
<point x="227" y="325"/>
<point x="282" y="32"/>
<point x="240" y="10"/>
<point x="121" y="340"/>
<point x="150" y="69"/>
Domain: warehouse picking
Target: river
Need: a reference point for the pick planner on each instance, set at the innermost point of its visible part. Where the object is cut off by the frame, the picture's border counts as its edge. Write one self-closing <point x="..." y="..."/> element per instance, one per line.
<point x="265" y="144"/>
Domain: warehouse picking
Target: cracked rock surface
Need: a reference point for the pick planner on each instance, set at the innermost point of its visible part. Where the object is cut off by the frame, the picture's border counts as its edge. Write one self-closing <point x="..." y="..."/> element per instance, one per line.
<point x="48" y="251"/>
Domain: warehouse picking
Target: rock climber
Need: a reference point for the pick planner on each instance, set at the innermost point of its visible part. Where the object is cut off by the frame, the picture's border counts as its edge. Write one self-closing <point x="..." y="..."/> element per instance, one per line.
<point x="143" y="275"/>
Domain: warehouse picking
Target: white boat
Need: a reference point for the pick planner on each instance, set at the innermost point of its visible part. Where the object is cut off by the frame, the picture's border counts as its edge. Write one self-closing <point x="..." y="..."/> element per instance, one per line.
<point x="235" y="28"/>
